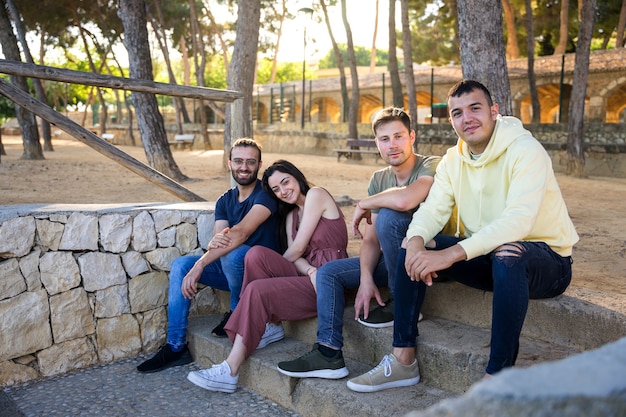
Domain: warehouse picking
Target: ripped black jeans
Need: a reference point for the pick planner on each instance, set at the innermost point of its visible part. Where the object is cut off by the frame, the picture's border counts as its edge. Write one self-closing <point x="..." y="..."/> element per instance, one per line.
<point x="515" y="272"/>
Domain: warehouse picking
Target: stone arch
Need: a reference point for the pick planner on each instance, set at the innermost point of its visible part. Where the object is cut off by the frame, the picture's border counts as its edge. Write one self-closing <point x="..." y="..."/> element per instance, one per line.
<point x="549" y="97"/>
<point x="615" y="95"/>
<point x="368" y="106"/>
<point x="325" y="110"/>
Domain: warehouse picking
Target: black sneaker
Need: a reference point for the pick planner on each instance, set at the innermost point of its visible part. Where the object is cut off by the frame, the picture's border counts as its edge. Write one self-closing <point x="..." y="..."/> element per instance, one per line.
<point x="218" y="331"/>
<point x="315" y="365"/>
<point x="166" y="358"/>
<point x="379" y="316"/>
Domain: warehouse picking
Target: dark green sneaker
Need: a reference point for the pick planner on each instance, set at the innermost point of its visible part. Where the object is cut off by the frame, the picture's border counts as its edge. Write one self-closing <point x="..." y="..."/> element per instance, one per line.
<point x="218" y="331"/>
<point x="379" y="316"/>
<point x="315" y="365"/>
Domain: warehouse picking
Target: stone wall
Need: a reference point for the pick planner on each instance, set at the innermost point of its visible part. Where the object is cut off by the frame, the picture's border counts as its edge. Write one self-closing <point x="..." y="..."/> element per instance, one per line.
<point x="83" y="285"/>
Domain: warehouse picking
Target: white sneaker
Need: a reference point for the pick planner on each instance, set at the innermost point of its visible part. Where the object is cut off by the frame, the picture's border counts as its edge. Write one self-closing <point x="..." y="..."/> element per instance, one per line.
<point x="273" y="333"/>
<point x="216" y="378"/>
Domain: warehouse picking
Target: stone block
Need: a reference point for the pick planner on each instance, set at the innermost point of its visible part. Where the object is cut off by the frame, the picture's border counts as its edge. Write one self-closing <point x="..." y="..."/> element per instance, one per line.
<point x="164" y="219"/>
<point x="71" y="315"/>
<point x="112" y="301"/>
<point x="80" y="233"/>
<point x="144" y="235"/>
<point x="11" y="280"/>
<point x="59" y="272"/>
<point x="162" y="258"/>
<point x="67" y="356"/>
<point x="101" y="270"/>
<point x="167" y="237"/>
<point x="118" y="338"/>
<point x="153" y="327"/>
<point x="186" y="237"/>
<point x="206" y="223"/>
<point x="148" y="291"/>
<point x="115" y="232"/>
<point x="49" y="234"/>
<point x="16" y="237"/>
<point x="29" y="265"/>
<point x="134" y="264"/>
<point x="13" y="373"/>
<point x="24" y="325"/>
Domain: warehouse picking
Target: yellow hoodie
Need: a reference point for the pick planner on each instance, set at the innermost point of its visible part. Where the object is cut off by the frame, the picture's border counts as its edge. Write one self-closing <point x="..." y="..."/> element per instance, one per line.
<point x="509" y="194"/>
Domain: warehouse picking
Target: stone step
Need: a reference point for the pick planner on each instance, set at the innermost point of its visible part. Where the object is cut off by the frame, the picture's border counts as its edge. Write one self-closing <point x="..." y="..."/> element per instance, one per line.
<point x="309" y="396"/>
<point x="581" y="319"/>
<point x="453" y="349"/>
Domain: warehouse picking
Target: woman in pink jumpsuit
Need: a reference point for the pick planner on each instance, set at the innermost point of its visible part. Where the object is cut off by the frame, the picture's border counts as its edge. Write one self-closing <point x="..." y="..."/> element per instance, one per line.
<point x="280" y="287"/>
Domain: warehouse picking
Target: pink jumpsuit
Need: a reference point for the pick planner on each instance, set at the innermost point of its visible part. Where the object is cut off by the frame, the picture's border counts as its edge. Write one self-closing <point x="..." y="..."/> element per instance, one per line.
<point x="272" y="288"/>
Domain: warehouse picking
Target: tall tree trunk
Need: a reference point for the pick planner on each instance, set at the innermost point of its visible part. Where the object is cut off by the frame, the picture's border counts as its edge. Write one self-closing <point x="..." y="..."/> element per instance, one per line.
<point x="179" y="102"/>
<point x="620" y="40"/>
<point x="408" y="66"/>
<point x="530" y="51"/>
<point x="394" y="73"/>
<point x="37" y="83"/>
<point x="241" y="71"/>
<point x="199" y="60"/>
<point x="92" y="66"/>
<point x="374" y="34"/>
<point x="26" y="120"/>
<point x="482" y="48"/>
<point x="353" y="113"/>
<point x="563" y="28"/>
<point x="149" y="120"/>
<point x="512" y="48"/>
<point x="575" y="151"/>
<point x="340" y="66"/>
<point x="279" y="36"/>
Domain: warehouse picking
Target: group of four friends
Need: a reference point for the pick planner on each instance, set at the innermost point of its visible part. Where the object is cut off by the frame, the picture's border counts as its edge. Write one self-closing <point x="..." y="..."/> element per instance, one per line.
<point x="488" y="214"/>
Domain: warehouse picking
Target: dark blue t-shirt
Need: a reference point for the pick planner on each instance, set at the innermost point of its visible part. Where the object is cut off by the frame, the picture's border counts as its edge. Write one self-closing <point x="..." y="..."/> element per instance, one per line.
<point x="230" y="209"/>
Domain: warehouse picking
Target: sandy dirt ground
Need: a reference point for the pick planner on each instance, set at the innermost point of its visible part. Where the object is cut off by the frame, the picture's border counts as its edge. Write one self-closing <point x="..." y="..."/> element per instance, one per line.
<point x="75" y="173"/>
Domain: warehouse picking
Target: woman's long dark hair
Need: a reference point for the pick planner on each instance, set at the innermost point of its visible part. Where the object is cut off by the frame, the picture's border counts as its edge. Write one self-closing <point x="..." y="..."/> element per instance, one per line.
<point x="285" y="167"/>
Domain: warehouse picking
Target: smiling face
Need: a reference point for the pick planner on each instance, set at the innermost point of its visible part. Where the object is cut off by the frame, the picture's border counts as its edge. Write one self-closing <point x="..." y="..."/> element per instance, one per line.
<point x="473" y="119"/>
<point x="285" y="187"/>
<point x="395" y="142"/>
<point x="244" y="164"/>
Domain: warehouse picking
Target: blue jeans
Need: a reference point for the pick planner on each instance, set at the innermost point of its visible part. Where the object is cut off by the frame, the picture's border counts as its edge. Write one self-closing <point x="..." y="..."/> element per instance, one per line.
<point x="334" y="277"/>
<point x="224" y="274"/>
<point x="535" y="272"/>
<point x="391" y="229"/>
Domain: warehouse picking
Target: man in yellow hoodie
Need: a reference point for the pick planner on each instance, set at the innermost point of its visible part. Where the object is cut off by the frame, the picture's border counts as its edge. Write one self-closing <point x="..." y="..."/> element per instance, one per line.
<point x="517" y="242"/>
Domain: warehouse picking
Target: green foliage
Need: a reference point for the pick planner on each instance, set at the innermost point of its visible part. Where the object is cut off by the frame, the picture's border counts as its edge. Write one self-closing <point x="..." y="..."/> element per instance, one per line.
<point x="7" y="107"/>
<point x="290" y="71"/>
<point x="433" y="33"/>
<point x="215" y="72"/>
<point x="363" y="56"/>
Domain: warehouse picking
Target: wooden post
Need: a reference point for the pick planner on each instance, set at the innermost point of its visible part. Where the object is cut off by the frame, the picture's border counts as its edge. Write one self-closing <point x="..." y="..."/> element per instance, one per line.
<point x="45" y="112"/>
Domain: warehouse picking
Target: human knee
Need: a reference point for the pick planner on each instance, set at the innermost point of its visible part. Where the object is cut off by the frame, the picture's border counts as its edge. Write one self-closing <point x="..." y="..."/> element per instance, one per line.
<point x="509" y="253"/>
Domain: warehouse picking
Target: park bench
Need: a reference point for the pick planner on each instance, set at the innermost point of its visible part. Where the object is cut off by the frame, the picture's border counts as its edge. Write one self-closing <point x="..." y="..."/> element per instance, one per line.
<point x="358" y="146"/>
<point x="182" y="141"/>
<point x="108" y="137"/>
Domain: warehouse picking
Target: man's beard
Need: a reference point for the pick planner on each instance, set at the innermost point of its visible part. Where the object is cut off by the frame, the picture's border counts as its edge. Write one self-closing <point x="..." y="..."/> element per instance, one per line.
<point x="245" y="181"/>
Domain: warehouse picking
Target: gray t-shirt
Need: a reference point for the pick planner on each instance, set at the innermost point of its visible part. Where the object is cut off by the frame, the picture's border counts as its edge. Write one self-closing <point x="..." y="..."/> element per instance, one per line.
<point x="385" y="178"/>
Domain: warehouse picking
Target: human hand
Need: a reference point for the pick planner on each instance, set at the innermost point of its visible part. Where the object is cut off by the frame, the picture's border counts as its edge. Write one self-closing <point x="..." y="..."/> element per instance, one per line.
<point x="364" y="295"/>
<point x="360" y="214"/>
<point x="189" y="286"/>
<point x="220" y="240"/>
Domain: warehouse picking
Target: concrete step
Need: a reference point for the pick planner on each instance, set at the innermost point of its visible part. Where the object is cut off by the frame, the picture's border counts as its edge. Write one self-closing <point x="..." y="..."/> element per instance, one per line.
<point x="453" y="349"/>
<point x="309" y="396"/>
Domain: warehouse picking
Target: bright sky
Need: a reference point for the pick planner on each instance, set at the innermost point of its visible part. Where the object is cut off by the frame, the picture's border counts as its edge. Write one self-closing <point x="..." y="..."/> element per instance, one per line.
<point x="361" y="17"/>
